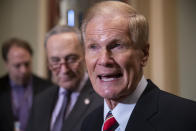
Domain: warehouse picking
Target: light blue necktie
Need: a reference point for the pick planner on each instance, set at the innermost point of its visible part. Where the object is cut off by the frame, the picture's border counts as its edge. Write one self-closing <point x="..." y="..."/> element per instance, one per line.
<point x="59" y="120"/>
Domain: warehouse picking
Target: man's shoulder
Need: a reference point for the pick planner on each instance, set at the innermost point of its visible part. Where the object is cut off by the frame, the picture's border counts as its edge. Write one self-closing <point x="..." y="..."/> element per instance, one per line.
<point x="47" y="92"/>
<point x="4" y="83"/>
<point x="4" y="78"/>
<point x="39" y="84"/>
<point x="42" y="81"/>
<point x="94" y="120"/>
<point x="172" y="101"/>
<point x="168" y="111"/>
<point x="43" y="97"/>
<point x="168" y="98"/>
<point x="173" y="104"/>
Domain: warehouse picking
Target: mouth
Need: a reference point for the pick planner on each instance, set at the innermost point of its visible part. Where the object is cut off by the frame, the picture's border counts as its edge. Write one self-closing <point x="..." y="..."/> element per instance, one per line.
<point x="109" y="77"/>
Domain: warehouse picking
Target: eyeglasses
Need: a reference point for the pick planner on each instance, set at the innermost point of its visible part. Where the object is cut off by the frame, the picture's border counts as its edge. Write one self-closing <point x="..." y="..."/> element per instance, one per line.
<point x="56" y="62"/>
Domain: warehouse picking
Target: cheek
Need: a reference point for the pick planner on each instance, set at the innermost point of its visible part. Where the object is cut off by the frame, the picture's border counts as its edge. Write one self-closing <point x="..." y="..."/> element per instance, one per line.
<point x="130" y="67"/>
<point x="15" y="71"/>
<point x="78" y="68"/>
<point x="126" y="62"/>
<point x="90" y="63"/>
<point x="55" y="75"/>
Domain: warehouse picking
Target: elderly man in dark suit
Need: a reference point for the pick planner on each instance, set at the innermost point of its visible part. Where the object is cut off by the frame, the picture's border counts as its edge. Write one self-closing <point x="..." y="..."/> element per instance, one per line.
<point x="19" y="86"/>
<point x="116" y="50"/>
<point x="63" y="108"/>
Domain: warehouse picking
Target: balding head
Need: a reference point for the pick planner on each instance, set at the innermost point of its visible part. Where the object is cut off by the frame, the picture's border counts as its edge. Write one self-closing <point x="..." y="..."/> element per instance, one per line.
<point x="137" y="24"/>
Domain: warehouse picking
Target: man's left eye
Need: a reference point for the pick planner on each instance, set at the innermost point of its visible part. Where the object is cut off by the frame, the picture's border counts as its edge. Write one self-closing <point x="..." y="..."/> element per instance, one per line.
<point x="92" y="46"/>
<point x="72" y="59"/>
<point x="115" y="45"/>
<point x="17" y="66"/>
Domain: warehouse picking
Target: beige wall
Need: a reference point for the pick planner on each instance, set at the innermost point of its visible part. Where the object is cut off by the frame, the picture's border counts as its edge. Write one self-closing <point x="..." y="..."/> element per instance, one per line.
<point x="172" y="39"/>
<point x="162" y="67"/>
<point x="187" y="48"/>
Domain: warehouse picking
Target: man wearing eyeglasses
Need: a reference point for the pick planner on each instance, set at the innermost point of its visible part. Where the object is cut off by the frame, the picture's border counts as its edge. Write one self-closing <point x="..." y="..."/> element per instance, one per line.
<point x="63" y="108"/>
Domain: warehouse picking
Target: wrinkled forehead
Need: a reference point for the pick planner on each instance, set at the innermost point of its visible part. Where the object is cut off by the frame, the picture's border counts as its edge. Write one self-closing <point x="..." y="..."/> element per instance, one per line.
<point x="63" y="44"/>
<point x="100" y="23"/>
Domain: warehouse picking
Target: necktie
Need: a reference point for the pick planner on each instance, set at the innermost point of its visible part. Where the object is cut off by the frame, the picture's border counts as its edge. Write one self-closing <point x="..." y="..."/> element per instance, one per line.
<point x="61" y="115"/>
<point x="110" y="123"/>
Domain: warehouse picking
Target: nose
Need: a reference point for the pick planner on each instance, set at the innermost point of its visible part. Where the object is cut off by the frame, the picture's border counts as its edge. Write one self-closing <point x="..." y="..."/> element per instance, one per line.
<point x="64" y="67"/>
<point x="105" y="58"/>
<point x="23" y="69"/>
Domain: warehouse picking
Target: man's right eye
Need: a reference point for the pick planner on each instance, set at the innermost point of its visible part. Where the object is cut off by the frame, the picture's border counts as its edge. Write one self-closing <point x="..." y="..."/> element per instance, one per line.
<point x="55" y="60"/>
<point x="92" y="46"/>
<point x="17" y="66"/>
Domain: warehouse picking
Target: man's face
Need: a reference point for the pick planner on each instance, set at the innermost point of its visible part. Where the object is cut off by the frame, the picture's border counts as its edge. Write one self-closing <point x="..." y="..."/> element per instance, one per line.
<point x="18" y="65"/>
<point x="113" y="64"/>
<point x="65" y="59"/>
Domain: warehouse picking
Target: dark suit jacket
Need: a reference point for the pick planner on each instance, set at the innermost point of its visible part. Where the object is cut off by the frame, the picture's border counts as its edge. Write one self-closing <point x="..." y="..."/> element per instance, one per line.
<point x="45" y="103"/>
<point x="6" y="113"/>
<point x="155" y="110"/>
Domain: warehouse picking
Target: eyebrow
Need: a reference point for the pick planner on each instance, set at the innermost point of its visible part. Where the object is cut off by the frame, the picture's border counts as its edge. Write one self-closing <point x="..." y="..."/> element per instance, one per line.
<point x="69" y="55"/>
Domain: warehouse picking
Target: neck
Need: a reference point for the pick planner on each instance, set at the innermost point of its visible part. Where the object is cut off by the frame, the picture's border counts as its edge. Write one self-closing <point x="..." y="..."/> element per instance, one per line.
<point x="111" y="103"/>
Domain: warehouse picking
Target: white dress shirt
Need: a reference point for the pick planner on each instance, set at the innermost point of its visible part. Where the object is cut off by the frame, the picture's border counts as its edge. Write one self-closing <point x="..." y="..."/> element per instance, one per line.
<point x="122" y="112"/>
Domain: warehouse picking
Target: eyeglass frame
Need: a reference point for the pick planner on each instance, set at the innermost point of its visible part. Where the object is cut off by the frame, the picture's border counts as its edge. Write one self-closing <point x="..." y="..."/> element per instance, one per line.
<point x="69" y="61"/>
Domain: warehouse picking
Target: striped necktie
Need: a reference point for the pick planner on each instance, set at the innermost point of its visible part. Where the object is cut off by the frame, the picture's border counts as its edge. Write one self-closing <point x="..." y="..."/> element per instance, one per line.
<point x="110" y="123"/>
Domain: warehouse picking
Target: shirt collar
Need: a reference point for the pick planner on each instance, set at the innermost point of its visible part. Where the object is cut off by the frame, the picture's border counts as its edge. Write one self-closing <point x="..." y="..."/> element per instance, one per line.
<point x="15" y="86"/>
<point x="123" y="110"/>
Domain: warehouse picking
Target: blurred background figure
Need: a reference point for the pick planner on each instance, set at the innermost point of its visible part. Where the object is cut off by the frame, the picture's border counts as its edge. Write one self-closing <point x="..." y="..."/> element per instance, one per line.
<point x="19" y="86"/>
<point x="63" y="108"/>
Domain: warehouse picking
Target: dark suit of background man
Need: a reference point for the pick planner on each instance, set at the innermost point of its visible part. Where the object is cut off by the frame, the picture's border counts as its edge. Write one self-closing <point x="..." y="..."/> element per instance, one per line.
<point x="116" y="50"/>
<point x="66" y="61"/>
<point x="18" y="87"/>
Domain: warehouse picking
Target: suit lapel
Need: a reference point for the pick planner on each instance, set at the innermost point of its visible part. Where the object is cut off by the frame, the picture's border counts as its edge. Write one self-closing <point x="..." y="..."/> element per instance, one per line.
<point x="145" y="109"/>
<point x="7" y="103"/>
<point x="35" y="85"/>
<point x="79" y="108"/>
<point x="97" y="125"/>
<point x="47" y="109"/>
<point x="94" y="121"/>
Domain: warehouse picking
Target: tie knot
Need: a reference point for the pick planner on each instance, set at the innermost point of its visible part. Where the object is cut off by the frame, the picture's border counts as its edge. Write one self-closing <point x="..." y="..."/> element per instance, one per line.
<point x="110" y="123"/>
<point x="109" y="115"/>
<point x="66" y="95"/>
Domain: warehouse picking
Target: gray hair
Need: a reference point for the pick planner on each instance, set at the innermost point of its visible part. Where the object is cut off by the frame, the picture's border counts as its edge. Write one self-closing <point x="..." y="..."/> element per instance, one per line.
<point x="59" y="29"/>
<point x="138" y="25"/>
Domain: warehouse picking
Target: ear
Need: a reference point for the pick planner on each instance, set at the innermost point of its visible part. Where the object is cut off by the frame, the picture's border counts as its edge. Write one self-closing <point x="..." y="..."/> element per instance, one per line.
<point x="49" y="66"/>
<point x="145" y="56"/>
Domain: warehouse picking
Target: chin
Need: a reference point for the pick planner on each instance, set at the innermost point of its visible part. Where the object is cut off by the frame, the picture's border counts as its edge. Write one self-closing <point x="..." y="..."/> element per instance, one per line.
<point x="69" y="85"/>
<point x="108" y="94"/>
<point x="66" y="86"/>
